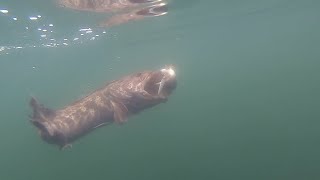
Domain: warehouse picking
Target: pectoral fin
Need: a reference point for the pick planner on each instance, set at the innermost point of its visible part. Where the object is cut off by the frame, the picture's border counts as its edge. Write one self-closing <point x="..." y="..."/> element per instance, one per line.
<point x="120" y="112"/>
<point x="66" y="146"/>
<point x="100" y="125"/>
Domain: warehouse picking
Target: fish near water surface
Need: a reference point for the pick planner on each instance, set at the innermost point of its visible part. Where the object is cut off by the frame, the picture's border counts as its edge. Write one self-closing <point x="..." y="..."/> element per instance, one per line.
<point x="123" y="10"/>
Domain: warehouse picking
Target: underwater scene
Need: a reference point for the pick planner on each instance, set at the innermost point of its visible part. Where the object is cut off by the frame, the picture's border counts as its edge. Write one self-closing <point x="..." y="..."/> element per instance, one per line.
<point x="160" y="89"/>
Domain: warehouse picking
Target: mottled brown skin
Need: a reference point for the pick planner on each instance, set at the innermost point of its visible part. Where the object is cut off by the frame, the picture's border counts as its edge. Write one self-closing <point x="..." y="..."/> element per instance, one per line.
<point x="106" y="5"/>
<point x="113" y="103"/>
<point x="125" y="10"/>
<point x="150" y="11"/>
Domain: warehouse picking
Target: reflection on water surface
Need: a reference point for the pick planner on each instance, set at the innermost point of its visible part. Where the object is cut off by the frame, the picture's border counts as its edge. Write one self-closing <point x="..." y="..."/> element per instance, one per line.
<point x="38" y="31"/>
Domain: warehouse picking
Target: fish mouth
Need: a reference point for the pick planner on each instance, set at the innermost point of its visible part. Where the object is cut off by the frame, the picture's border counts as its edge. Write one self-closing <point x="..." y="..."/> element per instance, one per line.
<point x="161" y="83"/>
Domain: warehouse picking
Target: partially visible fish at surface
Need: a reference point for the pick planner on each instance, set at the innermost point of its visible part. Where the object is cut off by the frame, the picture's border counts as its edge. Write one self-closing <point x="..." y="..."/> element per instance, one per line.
<point x="124" y="10"/>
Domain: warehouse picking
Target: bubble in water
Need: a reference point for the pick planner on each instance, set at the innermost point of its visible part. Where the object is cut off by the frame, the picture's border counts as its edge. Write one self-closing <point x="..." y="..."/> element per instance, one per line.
<point x="32" y="18"/>
<point x="4" y="11"/>
<point x="45" y="34"/>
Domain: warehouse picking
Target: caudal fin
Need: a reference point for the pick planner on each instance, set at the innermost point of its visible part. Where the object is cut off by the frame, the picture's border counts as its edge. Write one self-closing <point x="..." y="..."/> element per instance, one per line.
<point x="40" y="118"/>
<point x="40" y="113"/>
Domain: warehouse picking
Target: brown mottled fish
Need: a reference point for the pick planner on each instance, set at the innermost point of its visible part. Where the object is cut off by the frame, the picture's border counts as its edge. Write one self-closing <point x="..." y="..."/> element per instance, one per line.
<point x="114" y="102"/>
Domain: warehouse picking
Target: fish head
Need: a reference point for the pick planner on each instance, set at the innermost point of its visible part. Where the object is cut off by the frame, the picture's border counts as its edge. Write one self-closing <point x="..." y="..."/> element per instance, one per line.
<point x="144" y="89"/>
<point x="161" y="83"/>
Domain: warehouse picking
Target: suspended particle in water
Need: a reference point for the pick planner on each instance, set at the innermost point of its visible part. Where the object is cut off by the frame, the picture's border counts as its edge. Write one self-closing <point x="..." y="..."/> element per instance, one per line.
<point x="85" y="29"/>
<point x="32" y="18"/>
<point x="4" y="11"/>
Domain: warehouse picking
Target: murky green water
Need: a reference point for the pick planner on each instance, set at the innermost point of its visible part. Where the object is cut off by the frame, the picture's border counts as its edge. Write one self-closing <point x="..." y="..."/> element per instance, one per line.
<point x="246" y="106"/>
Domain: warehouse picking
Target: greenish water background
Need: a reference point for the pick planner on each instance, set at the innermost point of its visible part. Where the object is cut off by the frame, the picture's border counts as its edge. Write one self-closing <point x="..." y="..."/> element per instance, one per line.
<point x="246" y="105"/>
